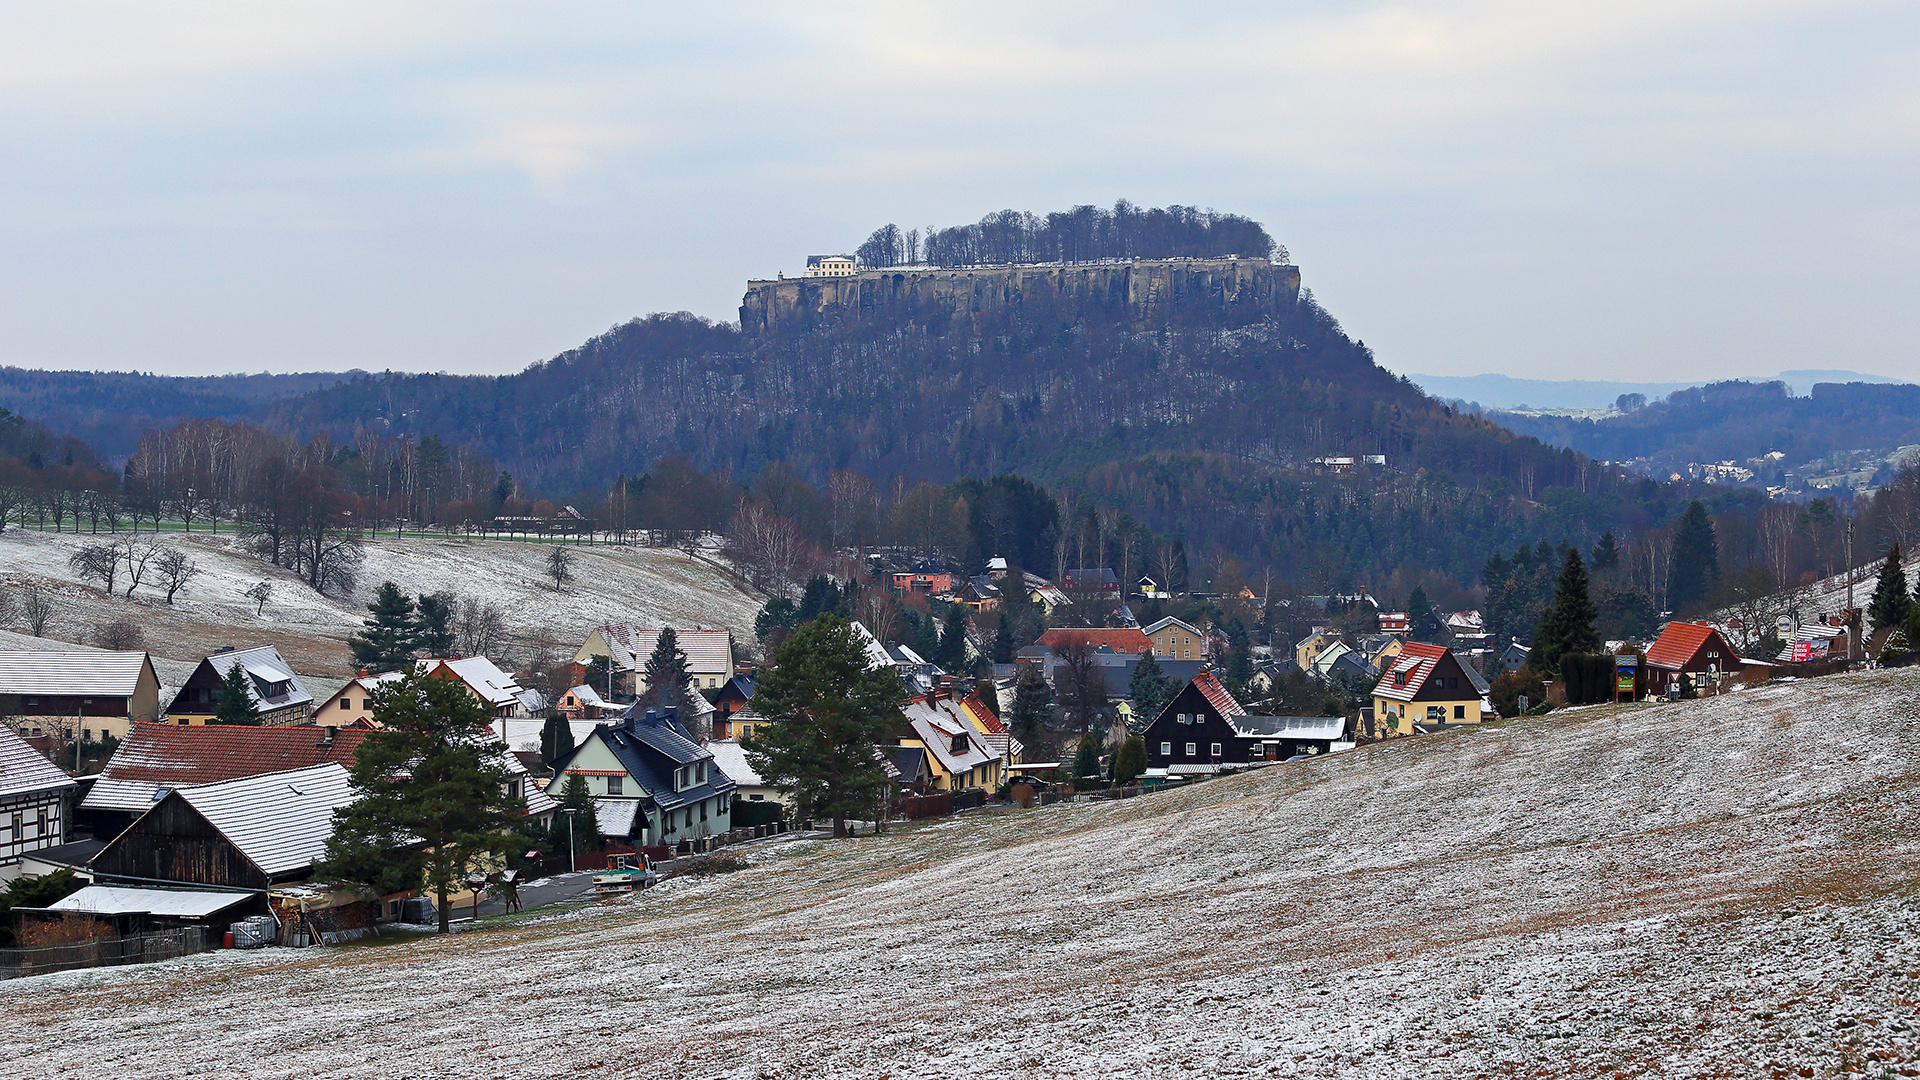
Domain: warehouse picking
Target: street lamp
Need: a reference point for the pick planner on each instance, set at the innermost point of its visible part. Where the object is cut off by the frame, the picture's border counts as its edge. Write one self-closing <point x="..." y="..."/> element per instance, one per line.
<point x="570" y="812"/>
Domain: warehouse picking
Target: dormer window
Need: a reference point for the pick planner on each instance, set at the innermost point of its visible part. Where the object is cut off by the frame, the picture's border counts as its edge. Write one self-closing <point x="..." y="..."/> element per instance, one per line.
<point x="960" y="743"/>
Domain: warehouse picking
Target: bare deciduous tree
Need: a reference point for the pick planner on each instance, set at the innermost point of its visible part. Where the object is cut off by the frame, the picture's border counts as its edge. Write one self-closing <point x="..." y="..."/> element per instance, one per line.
<point x="118" y="635"/>
<point x="770" y="547"/>
<point x="37" y="608"/>
<point x="479" y="627"/>
<point x="175" y="569"/>
<point x="258" y="592"/>
<point x="97" y="562"/>
<point x="138" y="555"/>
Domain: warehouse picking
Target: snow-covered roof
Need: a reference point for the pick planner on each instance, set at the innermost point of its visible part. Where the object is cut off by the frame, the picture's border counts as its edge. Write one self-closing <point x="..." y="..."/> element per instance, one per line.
<point x="280" y="821"/>
<point x="877" y="657"/>
<point x="937" y="729"/>
<point x="732" y="760"/>
<point x="266" y="669"/>
<point x="156" y="756"/>
<point x="181" y="903"/>
<point x="75" y="673"/>
<point x="24" y="770"/>
<point x="630" y="645"/>
<point x="493" y="686"/>
<point x="616" y="816"/>
<point x="587" y="695"/>
<point x="1290" y="727"/>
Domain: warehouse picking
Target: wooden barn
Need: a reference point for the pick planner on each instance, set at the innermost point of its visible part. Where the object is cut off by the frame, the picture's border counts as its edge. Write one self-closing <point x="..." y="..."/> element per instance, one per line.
<point x="250" y="833"/>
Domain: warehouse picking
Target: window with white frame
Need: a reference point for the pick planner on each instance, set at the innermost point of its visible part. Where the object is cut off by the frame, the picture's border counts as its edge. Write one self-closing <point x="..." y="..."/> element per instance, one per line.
<point x="1216" y="749"/>
<point x="1166" y="749"/>
<point x="1192" y="750"/>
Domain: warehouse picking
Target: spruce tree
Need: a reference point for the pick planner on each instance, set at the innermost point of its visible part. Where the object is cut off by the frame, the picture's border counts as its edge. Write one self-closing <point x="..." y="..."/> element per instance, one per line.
<point x="1696" y="560"/>
<point x="1239" y="657"/>
<point x="666" y="671"/>
<point x="1891" y="603"/>
<point x="989" y="695"/>
<point x="1150" y="688"/>
<point x="827" y="709"/>
<point x="585" y="838"/>
<point x="1003" y="641"/>
<point x="926" y="643"/>
<point x="233" y="703"/>
<point x="953" y="639"/>
<point x="1567" y="626"/>
<point x="556" y="738"/>
<point x="1131" y="762"/>
<point x="433" y="625"/>
<point x="1032" y="706"/>
<point x="1606" y="554"/>
<point x="431" y="793"/>
<point x="1420" y="622"/>
<point x="385" y="640"/>
<point x="1086" y="762"/>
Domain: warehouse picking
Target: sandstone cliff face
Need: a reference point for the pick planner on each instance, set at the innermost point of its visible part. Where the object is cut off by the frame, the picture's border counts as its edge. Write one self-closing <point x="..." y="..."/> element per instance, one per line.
<point x="1143" y="293"/>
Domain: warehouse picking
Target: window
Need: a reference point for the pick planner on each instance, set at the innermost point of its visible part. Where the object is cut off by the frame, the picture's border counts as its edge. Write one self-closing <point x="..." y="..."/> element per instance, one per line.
<point x="1166" y="749"/>
<point x="616" y="785"/>
<point x="1216" y="749"/>
<point x="703" y="810"/>
<point x="17" y="828"/>
<point x="1192" y="750"/>
<point x="346" y="703"/>
<point x="1453" y="682"/>
<point x="43" y="821"/>
<point x="756" y="798"/>
<point x="1459" y="712"/>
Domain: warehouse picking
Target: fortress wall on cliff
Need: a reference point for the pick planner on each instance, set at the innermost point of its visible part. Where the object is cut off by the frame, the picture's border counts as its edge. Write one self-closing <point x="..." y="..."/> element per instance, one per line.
<point x="1143" y="293"/>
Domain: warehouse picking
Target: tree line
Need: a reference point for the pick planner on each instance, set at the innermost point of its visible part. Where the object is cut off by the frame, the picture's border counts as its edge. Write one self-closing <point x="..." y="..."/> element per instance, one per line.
<point x="1083" y="234"/>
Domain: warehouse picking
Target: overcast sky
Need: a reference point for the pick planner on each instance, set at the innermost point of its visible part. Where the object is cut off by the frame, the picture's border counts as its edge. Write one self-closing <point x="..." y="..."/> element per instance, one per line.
<point x="1669" y="190"/>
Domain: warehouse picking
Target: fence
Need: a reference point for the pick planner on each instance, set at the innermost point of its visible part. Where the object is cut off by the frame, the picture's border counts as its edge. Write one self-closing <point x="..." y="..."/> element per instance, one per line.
<point x="104" y="952"/>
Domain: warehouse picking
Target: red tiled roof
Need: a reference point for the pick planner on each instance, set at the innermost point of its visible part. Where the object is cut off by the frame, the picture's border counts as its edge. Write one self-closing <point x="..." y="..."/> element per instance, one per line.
<point x="1217" y="696"/>
<point x="1416" y="661"/>
<point x="173" y="754"/>
<point x="1678" y="643"/>
<point x="985" y="715"/>
<point x="1123" y="639"/>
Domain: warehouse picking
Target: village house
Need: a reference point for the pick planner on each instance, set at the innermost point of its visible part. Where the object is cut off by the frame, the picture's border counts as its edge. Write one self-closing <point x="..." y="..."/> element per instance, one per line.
<point x="1204" y="731"/>
<point x="35" y="799"/>
<point x="651" y="781"/>
<point x="83" y="694"/>
<point x="1125" y="640"/>
<point x="582" y="703"/>
<point x="958" y="755"/>
<point x="731" y="760"/>
<point x="1091" y="579"/>
<point x="1177" y="639"/>
<point x="709" y="655"/>
<point x="979" y="594"/>
<point x="1309" y="648"/>
<point x="928" y="577"/>
<point x="277" y="693"/>
<point x="352" y="704"/>
<point x="500" y="692"/>
<point x="1427" y="688"/>
<point x="1696" y="650"/>
<point x="735" y="694"/>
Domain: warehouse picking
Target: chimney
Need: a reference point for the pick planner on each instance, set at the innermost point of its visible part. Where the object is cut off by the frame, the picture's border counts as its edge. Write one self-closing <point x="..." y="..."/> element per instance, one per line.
<point x="327" y="732"/>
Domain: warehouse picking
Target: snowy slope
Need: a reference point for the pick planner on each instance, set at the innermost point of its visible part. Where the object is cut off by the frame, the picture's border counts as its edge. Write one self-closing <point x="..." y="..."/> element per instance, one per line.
<point x="1711" y="888"/>
<point x="642" y="584"/>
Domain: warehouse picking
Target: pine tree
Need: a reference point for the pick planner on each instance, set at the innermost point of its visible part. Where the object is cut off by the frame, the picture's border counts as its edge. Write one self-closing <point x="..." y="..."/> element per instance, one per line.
<point x="1150" y="688"/>
<point x="1086" y="762"/>
<point x="953" y="639"/>
<point x="828" y="710"/>
<point x="1606" y="554"/>
<point x="1696" y="560"/>
<point x="926" y="643"/>
<point x="1131" y="762"/>
<point x="1891" y="602"/>
<point x="1420" y="622"/>
<point x="556" y="737"/>
<point x="433" y="625"/>
<point x="1003" y="641"/>
<point x="585" y="838"/>
<point x="1567" y="626"/>
<point x="385" y="640"/>
<point x="233" y="703"/>
<point x="666" y="671"/>
<point x="1239" y="657"/>
<point x="989" y="695"/>
<point x="1032" y="706"/>
<point x="432" y="794"/>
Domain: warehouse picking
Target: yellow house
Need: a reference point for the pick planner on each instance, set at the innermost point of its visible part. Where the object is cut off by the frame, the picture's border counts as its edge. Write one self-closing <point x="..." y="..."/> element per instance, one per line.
<point x="1311" y="646"/>
<point x="352" y="702"/>
<point x="1177" y="640"/>
<point x="87" y="695"/>
<point x="958" y="755"/>
<point x="1428" y="686"/>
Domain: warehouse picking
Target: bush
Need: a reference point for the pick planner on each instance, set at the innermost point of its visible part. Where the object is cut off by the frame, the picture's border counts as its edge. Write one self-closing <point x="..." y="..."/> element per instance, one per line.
<point x="720" y="862"/>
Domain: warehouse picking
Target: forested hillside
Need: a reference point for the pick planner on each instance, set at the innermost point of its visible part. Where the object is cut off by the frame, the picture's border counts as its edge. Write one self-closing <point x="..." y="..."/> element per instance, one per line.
<point x="109" y="409"/>
<point x="1741" y="420"/>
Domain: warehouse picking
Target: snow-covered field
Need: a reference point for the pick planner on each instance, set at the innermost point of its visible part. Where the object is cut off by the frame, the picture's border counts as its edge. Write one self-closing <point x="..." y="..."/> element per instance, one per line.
<point x="646" y="585"/>
<point x="1714" y="888"/>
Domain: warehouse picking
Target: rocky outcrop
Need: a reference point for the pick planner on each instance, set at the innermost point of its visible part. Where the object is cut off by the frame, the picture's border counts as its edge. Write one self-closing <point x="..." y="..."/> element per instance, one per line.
<point x="1143" y="293"/>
